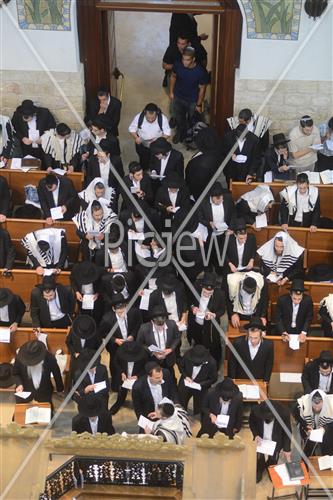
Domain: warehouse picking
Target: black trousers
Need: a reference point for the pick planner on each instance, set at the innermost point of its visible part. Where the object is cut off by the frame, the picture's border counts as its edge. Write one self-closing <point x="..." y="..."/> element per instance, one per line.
<point x="144" y="155"/>
<point x="207" y="427"/>
<point x="61" y="323"/>
<point x="185" y="394"/>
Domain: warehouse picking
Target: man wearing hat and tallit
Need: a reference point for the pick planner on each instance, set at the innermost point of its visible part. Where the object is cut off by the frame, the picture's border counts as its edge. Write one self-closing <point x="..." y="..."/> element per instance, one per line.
<point x="46" y="249"/>
<point x="254" y="203"/>
<point x="12" y="309"/>
<point x="281" y="258"/>
<point x="96" y="374"/>
<point x="171" y="196"/>
<point x="172" y="424"/>
<point x="170" y="292"/>
<point x="315" y="411"/>
<point x="264" y="424"/>
<point x="129" y="365"/>
<point x="34" y="365"/>
<point x="222" y="410"/>
<point x="246" y="296"/>
<point x="198" y="366"/>
<point x="30" y="122"/>
<point x="211" y="305"/>
<point x="242" y="248"/>
<point x="6" y="375"/>
<point x="318" y="374"/>
<point x="256" y="352"/>
<point x="82" y="335"/>
<point x="86" y="283"/>
<point x="277" y="158"/>
<point x="326" y="315"/>
<point x="125" y="325"/>
<point x="294" y="312"/>
<point x="92" y="416"/>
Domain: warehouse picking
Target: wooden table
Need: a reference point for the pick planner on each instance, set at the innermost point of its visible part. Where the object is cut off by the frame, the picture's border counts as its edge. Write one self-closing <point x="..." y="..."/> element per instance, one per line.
<point x="277" y="483"/>
<point x="21" y="408"/>
<point x="319" y="480"/>
<point x="262" y="389"/>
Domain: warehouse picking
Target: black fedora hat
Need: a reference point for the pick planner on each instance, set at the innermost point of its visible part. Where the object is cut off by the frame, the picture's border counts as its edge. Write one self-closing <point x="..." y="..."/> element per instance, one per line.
<point x="208" y="281"/>
<point x="90" y="405"/>
<point x="6" y="296"/>
<point x="131" y="352"/>
<point x="238" y="224"/>
<point x="216" y="189"/>
<point x="198" y="354"/>
<point x="158" y="310"/>
<point x="6" y="375"/>
<point x="227" y="389"/>
<point x="255" y="323"/>
<point x="264" y="411"/>
<point x="84" y="326"/>
<point x="85" y="357"/>
<point x="174" y="180"/>
<point x="297" y="285"/>
<point x="280" y="139"/>
<point x="166" y="283"/>
<point x="27" y="108"/>
<point x="118" y="299"/>
<point x="85" y="272"/>
<point x="325" y="358"/>
<point x="31" y="353"/>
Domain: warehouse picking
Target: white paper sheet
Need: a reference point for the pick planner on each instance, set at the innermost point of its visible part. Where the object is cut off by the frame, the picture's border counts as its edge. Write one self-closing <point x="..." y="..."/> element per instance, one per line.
<point x="154" y="175"/>
<point x="154" y="348"/>
<point x="128" y="384"/>
<point x="182" y="327"/>
<point x="282" y="471"/>
<point x="240" y="159"/>
<point x="273" y="278"/>
<point x="38" y="415"/>
<point x="142" y="252"/>
<point x="317" y="435"/>
<point x="152" y="284"/>
<point x="291" y="377"/>
<point x="202" y="231"/>
<point x="268" y="177"/>
<point x="42" y="337"/>
<point x="192" y="385"/>
<point x="314" y="177"/>
<point x="327" y="176"/>
<point x="33" y="135"/>
<point x="144" y="422"/>
<point x="267" y="447"/>
<point x="26" y="169"/>
<point x="316" y="147"/>
<point x="134" y="189"/>
<point x="222" y="421"/>
<point x="144" y="302"/>
<point x="5" y="335"/>
<point x="29" y="157"/>
<point x="261" y="221"/>
<point x="16" y="163"/>
<point x="88" y="302"/>
<point x="56" y="213"/>
<point x="99" y="386"/>
<point x="48" y="272"/>
<point x="23" y="394"/>
<point x="221" y="228"/>
<point x="2" y="164"/>
<point x="59" y="171"/>
<point x="293" y="342"/>
<point x="325" y="462"/>
<point x="249" y="391"/>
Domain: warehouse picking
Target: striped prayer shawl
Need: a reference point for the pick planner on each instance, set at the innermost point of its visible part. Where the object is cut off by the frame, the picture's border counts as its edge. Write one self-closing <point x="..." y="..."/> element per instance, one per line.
<point x="51" y="146"/>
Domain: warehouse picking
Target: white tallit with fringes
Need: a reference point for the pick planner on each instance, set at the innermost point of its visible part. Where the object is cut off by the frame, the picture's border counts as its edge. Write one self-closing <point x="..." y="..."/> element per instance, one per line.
<point x="328" y="303"/>
<point x="258" y="198"/>
<point x="51" y="145"/>
<point x="175" y="428"/>
<point x="89" y="194"/>
<point x="306" y="411"/>
<point x="53" y="237"/>
<point x="291" y="253"/>
<point x="4" y="120"/>
<point x="289" y="194"/>
<point x="85" y="222"/>
<point x="234" y="285"/>
<point x="260" y="124"/>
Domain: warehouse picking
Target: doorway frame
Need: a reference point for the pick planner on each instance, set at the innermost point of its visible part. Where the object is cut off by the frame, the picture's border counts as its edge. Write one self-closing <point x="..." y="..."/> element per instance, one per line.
<point x="92" y="18"/>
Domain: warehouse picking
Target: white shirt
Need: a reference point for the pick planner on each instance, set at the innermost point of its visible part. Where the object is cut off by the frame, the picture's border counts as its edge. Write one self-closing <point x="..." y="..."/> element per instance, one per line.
<point x="164" y="162"/>
<point x="117" y="261"/>
<point x="253" y="350"/>
<point x="268" y="430"/>
<point x="55" y="195"/>
<point x="246" y="302"/>
<point x="92" y="376"/>
<point x="240" y="144"/>
<point x="160" y="336"/>
<point x="93" y="425"/>
<point x="195" y="371"/>
<point x="302" y="205"/>
<point x="83" y="343"/>
<point x="171" y="305"/>
<point x="203" y="304"/>
<point x="156" y="392"/>
<point x="173" y="197"/>
<point x="139" y="225"/>
<point x="122" y="322"/>
<point x="33" y="133"/>
<point x="325" y="382"/>
<point x="240" y="252"/>
<point x="130" y="366"/>
<point x="224" y="407"/>
<point x="149" y="131"/>
<point x="295" y="312"/>
<point x="104" y="169"/>
<point x="4" y="314"/>
<point x="54" y="308"/>
<point x="218" y="214"/>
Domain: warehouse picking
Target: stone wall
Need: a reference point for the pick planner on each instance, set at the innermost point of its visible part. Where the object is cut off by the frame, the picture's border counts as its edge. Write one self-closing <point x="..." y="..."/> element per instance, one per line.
<point x="290" y="100"/>
<point x="37" y="85"/>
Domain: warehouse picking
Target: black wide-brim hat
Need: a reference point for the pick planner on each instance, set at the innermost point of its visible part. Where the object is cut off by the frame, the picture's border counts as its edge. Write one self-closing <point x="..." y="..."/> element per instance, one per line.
<point x="166" y="282"/>
<point x="238" y="224"/>
<point x="174" y="180"/>
<point x="160" y="146"/>
<point x="27" y="108"/>
<point x="85" y="357"/>
<point x="297" y="285"/>
<point x="131" y="352"/>
<point x="280" y="139"/>
<point x="208" y="281"/>
<point x="227" y="389"/>
<point x="86" y="272"/>
<point x="90" y="405"/>
<point x="6" y="375"/>
<point x="84" y="326"/>
<point x="118" y="299"/>
<point x="6" y="296"/>
<point x="326" y="357"/>
<point x="255" y="323"/>
<point x="158" y="310"/>
<point x="198" y="354"/>
<point x="264" y="411"/>
<point x="32" y="352"/>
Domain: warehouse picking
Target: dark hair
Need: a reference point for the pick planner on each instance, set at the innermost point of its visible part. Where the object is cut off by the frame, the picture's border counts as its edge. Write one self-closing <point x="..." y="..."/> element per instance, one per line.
<point x="152" y="365"/>
<point x="151" y="108"/>
<point x="245" y="114"/>
<point x="95" y="206"/>
<point x="306" y="121"/>
<point x="99" y="185"/>
<point x="278" y="238"/>
<point x="302" y="178"/>
<point x="249" y="284"/>
<point x="167" y="409"/>
<point x="51" y="180"/>
<point x="134" y="166"/>
<point x="207" y="139"/>
<point x="63" y="129"/>
<point x="330" y="123"/>
<point x="43" y="245"/>
<point x="106" y="146"/>
<point x="99" y="123"/>
<point x="240" y="129"/>
<point x="118" y="282"/>
<point x="102" y="91"/>
<point x="189" y="51"/>
<point x="184" y="36"/>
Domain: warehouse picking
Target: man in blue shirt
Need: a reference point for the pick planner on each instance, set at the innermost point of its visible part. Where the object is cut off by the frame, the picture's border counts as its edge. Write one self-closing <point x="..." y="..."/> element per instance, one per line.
<point x="188" y="84"/>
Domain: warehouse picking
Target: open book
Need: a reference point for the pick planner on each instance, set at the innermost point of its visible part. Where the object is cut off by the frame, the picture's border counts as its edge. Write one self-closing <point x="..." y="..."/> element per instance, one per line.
<point x="327" y="176"/>
<point x="37" y="415"/>
<point x="325" y="462"/>
<point x="249" y="391"/>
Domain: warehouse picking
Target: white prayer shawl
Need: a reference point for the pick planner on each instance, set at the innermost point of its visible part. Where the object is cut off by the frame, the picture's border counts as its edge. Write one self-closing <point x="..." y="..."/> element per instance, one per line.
<point x="258" y="198"/>
<point x="175" y="428"/>
<point x="53" y="237"/>
<point x="4" y="120"/>
<point x="260" y="124"/>
<point x="51" y="145"/>
<point x="291" y="253"/>
<point x="35" y="373"/>
<point x="235" y="281"/>
<point x="89" y="194"/>
<point x="328" y="303"/>
<point x="85" y="222"/>
<point x="289" y="195"/>
<point x="306" y="411"/>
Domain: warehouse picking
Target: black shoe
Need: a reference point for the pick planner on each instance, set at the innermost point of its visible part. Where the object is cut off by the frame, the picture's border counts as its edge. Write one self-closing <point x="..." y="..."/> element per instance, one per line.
<point x="176" y="138"/>
<point x="115" y="408"/>
<point x="259" y="476"/>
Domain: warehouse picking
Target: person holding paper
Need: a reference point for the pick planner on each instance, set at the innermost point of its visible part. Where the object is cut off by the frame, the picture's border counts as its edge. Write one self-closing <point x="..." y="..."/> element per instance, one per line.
<point x="12" y="309"/>
<point x="300" y="205"/>
<point x="115" y="282"/>
<point x="318" y="374"/>
<point x="255" y="203"/>
<point x="222" y="410"/>
<point x="82" y="335"/>
<point x="139" y="185"/>
<point x="151" y="388"/>
<point x="172" y="424"/>
<point x="46" y="249"/>
<point x="51" y="305"/>
<point x="281" y="259"/>
<point x="61" y="147"/>
<point x="124" y="325"/>
<point x="170" y="293"/>
<point x="99" y="130"/>
<point x="302" y="137"/>
<point x="197" y="366"/>
<point x="117" y="254"/>
<point x="171" y="196"/>
<point x="92" y="416"/>
<point x="86" y="281"/>
<point x="96" y="379"/>
<point x="217" y="209"/>
<point x="164" y="160"/>
<point x="129" y="365"/>
<point x="256" y="352"/>
<point x="277" y="158"/>
<point x="242" y="248"/>
<point x="326" y="315"/>
<point x="315" y="411"/>
<point x="265" y="424"/>
<point x="56" y="192"/>
<point x="32" y="371"/>
<point x="6" y="138"/>
<point x="211" y="305"/>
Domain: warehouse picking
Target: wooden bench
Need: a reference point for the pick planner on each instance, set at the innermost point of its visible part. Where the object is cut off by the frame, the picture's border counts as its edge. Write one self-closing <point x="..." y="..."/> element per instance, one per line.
<point x="325" y="193"/>
<point x="18" y="228"/>
<point x="22" y="281"/>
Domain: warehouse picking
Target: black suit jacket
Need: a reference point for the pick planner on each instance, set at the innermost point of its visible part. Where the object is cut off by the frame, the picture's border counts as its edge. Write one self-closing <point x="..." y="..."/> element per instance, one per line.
<point x="215" y="305"/>
<point x="4" y="196"/>
<point x="272" y="163"/>
<point x="156" y="299"/>
<point x="162" y="199"/>
<point x="143" y="401"/>
<point x="45" y="121"/>
<point x="262" y="364"/>
<point x="206" y="212"/>
<point x="146" y="338"/>
<point x="251" y="149"/>
<point x="175" y="164"/>
<point x="310" y="377"/>
<point x="93" y="170"/>
<point x="145" y="186"/>
<point x="7" y="250"/>
<point x="212" y="404"/>
<point x="74" y="345"/>
<point x="101" y="375"/>
<point x="39" y="309"/>
<point x="134" y="321"/>
<point x="206" y="376"/>
<point x="250" y="250"/>
<point x="67" y="196"/>
<point x="309" y="218"/>
<point x="278" y="434"/>
<point x="121" y="366"/>
<point x="284" y="313"/>
<point x="111" y="116"/>
<point x="16" y="310"/>
<point x="199" y="171"/>
<point x="81" y="424"/>
<point x="45" y="390"/>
